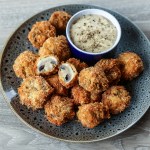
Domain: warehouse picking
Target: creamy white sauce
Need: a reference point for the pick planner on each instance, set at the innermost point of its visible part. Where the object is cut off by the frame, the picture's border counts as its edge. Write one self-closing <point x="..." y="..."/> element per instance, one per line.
<point x="93" y="33"/>
<point x="48" y="64"/>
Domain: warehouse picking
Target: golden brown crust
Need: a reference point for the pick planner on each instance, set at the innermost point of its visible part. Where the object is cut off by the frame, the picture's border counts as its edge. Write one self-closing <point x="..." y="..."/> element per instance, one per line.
<point x="59" y="19"/>
<point x="81" y="96"/>
<point x="24" y="64"/>
<point x="95" y="97"/>
<point x="117" y="98"/>
<point x="77" y="63"/>
<point x="59" y="110"/>
<point x="59" y="88"/>
<point x="40" y="32"/>
<point x="50" y="72"/>
<point x="57" y="46"/>
<point x="93" y="80"/>
<point x="91" y="115"/>
<point x="132" y="65"/>
<point x="33" y="92"/>
<point x="111" y="68"/>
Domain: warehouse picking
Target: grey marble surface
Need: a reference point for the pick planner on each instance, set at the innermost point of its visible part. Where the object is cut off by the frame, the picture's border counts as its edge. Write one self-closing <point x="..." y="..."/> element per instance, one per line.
<point x="14" y="134"/>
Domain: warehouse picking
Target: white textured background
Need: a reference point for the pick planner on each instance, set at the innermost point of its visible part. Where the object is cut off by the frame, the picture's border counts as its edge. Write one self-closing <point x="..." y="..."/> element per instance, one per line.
<point x="14" y="135"/>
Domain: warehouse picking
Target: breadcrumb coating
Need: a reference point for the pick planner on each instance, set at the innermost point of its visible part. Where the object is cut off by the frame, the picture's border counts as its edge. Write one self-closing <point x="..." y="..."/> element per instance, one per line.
<point x="59" y="19"/>
<point x="59" y="110"/>
<point x="77" y="63"/>
<point x="24" y="64"/>
<point x="81" y="96"/>
<point x="93" y="80"/>
<point x="40" y="32"/>
<point x="59" y="88"/>
<point x="116" y="98"/>
<point x="34" y="91"/>
<point x="132" y="65"/>
<point x="57" y="46"/>
<point x="91" y="115"/>
<point x="111" y="68"/>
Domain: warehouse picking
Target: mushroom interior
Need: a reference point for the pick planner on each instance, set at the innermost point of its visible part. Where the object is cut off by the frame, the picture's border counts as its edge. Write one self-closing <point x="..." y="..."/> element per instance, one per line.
<point x="46" y="64"/>
<point x="67" y="72"/>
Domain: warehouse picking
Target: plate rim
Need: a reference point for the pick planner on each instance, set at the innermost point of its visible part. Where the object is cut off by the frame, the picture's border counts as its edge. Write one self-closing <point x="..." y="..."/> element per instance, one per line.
<point x="32" y="127"/>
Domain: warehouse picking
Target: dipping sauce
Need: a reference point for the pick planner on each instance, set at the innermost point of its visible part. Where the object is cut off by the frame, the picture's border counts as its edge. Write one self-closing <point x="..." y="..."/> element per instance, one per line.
<point x="93" y="33"/>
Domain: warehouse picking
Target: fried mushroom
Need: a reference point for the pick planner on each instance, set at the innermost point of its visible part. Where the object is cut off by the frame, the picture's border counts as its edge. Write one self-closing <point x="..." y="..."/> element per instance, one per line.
<point x="40" y="32"/>
<point x="55" y="83"/>
<point x="91" y="115"/>
<point x="93" y="80"/>
<point x="111" y="68"/>
<point x="33" y="92"/>
<point x="24" y="64"/>
<point x="59" y="110"/>
<point x="59" y="19"/>
<point x="77" y="63"/>
<point x="132" y="65"/>
<point x="116" y="98"/>
<point x="57" y="46"/>
<point x="95" y="97"/>
<point x="46" y="65"/>
<point x="81" y="96"/>
<point x="68" y="75"/>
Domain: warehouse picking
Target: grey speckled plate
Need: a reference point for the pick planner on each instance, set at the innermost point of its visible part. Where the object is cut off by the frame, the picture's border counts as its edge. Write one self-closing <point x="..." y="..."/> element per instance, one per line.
<point x="132" y="39"/>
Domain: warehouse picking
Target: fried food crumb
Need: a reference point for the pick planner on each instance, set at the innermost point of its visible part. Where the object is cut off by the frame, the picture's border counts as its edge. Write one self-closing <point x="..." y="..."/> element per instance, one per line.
<point x="116" y="98"/>
<point x="34" y="91"/>
<point x="24" y="64"/>
<point x="93" y="80"/>
<point x="59" y="88"/>
<point x="77" y="63"/>
<point x="40" y="32"/>
<point x="91" y="115"/>
<point x="59" y="110"/>
<point x="111" y="68"/>
<point x="132" y="65"/>
<point x="57" y="46"/>
<point x="81" y="96"/>
<point x="59" y="19"/>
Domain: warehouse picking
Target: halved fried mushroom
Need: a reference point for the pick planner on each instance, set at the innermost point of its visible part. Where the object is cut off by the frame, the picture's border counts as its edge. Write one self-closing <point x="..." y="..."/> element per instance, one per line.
<point x="67" y="75"/>
<point x="47" y="65"/>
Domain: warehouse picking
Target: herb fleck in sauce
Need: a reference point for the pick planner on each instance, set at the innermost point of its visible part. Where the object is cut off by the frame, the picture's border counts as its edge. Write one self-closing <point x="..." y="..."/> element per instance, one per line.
<point x="93" y="33"/>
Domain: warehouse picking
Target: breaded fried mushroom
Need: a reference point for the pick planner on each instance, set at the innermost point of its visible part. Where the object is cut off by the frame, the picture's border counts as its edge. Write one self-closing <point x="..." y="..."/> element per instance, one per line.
<point x="40" y="32"/>
<point x="95" y="97"/>
<point x="116" y="98"/>
<point x="57" y="46"/>
<point x="34" y="91"/>
<point x="81" y="96"/>
<point x="46" y="65"/>
<point x="24" y="64"/>
<point x="55" y="83"/>
<point x="132" y="65"/>
<point x="68" y="75"/>
<point x="77" y="63"/>
<point x="91" y="115"/>
<point x="59" y="19"/>
<point x="59" y="110"/>
<point x="111" y="68"/>
<point x="93" y="80"/>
